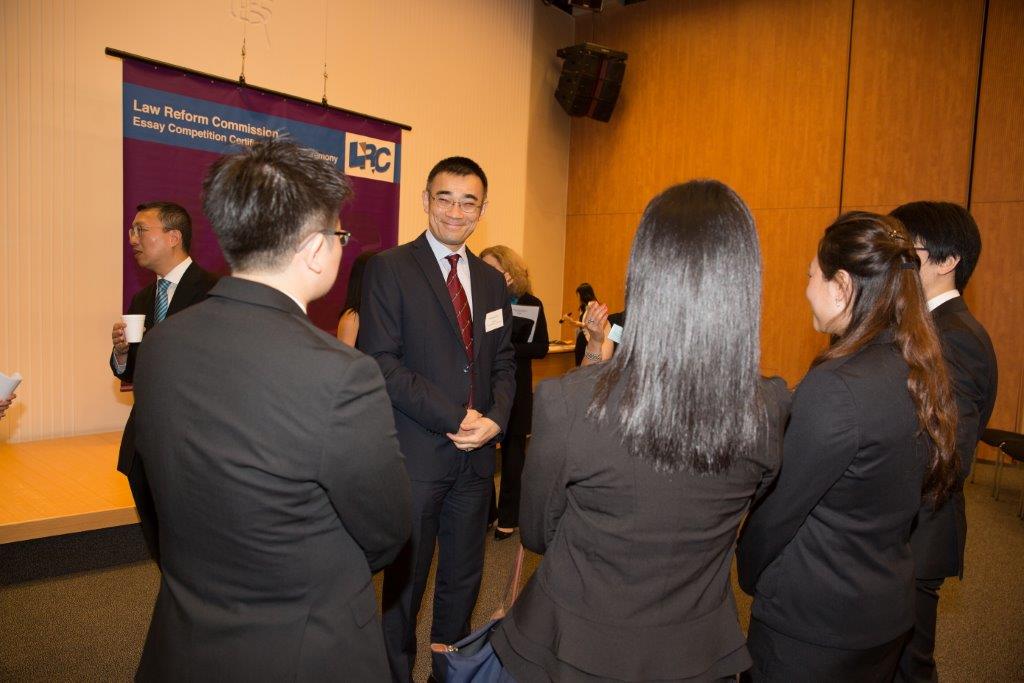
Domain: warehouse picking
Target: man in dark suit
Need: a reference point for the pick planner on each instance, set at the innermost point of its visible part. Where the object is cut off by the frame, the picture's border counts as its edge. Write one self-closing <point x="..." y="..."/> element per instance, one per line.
<point x="949" y="243"/>
<point x="161" y="236"/>
<point x="269" y="446"/>
<point x="439" y="323"/>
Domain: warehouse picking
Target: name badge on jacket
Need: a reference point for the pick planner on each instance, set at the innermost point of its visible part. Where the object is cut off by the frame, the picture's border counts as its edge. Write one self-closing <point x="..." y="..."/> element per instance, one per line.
<point x="494" y="320"/>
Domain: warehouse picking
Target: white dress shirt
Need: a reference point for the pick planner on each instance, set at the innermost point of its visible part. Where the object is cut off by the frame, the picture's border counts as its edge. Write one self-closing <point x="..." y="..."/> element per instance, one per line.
<point x="173" y="277"/>
<point x="940" y="299"/>
<point x="440" y="253"/>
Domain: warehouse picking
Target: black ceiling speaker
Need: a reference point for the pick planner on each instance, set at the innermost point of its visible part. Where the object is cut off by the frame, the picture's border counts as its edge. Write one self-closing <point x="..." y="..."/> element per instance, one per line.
<point x="590" y="81"/>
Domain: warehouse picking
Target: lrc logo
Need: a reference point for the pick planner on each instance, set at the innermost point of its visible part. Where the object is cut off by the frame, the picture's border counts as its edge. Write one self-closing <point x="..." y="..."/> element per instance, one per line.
<point x="370" y="158"/>
<point x="359" y="153"/>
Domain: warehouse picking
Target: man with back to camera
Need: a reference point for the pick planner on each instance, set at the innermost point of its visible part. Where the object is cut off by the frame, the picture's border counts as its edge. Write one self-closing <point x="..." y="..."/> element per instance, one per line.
<point x="949" y="244"/>
<point x="161" y="237"/>
<point x="270" y="447"/>
<point x="438" y="321"/>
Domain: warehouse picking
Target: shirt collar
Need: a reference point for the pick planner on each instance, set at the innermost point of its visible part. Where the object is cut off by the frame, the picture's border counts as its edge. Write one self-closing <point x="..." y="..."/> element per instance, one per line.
<point x="176" y="273"/>
<point x="441" y="252"/>
<point x="937" y="301"/>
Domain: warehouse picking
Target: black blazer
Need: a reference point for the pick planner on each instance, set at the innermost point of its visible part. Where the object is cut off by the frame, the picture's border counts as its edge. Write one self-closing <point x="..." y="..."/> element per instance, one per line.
<point x="275" y="470"/>
<point x="520" y="420"/>
<point x="407" y="323"/>
<point x="634" y="584"/>
<point x="939" y="535"/>
<point x="193" y="287"/>
<point x="826" y="554"/>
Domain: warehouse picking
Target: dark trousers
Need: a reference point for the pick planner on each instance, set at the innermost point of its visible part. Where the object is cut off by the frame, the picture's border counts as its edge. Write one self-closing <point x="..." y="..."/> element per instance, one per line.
<point x="453" y="513"/>
<point x="513" y="457"/>
<point x="145" y="506"/>
<point x="917" y="663"/>
<point x="781" y="659"/>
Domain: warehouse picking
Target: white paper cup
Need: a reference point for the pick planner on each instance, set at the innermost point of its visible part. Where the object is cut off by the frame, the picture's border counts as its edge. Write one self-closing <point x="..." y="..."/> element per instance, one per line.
<point x="135" y="325"/>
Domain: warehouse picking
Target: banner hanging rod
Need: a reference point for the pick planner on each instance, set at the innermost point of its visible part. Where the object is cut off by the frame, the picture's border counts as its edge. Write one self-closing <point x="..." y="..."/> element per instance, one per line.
<point x="146" y="60"/>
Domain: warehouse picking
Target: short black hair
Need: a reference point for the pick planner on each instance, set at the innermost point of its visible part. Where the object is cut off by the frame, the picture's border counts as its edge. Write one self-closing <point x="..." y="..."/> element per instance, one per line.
<point x="460" y="166"/>
<point x="260" y="201"/>
<point x="945" y="229"/>
<point x="173" y="217"/>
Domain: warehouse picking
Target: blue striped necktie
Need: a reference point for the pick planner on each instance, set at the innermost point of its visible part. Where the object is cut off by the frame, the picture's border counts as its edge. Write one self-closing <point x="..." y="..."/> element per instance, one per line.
<point x="161" y="300"/>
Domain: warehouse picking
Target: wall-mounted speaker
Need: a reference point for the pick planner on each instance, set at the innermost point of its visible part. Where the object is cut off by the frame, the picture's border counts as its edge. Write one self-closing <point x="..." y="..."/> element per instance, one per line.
<point x="590" y="81"/>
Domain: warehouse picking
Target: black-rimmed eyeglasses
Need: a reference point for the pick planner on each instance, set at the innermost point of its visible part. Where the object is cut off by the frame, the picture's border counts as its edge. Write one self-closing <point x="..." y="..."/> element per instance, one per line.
<point x="467" y="206"/>
<point x="343" y="236"/>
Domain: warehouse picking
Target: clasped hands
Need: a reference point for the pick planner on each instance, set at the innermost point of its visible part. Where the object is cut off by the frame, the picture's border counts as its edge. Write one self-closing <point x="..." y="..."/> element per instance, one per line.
<point x="474" y="432"/>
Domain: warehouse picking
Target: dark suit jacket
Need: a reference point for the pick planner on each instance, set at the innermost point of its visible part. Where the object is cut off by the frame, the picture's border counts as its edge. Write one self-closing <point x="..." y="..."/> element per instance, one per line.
<point x="826" y="554"/>
<point x="634" y="584"/>
<point x="279" y="486"/>
<point x="520" y="421"/>
<point x="192" y="289"/>
<point x="407" y="323"/>
<point x="939" y="535"/>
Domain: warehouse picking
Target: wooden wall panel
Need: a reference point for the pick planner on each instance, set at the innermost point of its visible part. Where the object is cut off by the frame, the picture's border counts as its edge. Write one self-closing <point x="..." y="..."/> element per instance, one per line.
<point x="999" y="154"/>
<point x="731" y="90"/>
<point x="789" y="239"/>
<point x="913" y="84"/>
<point x="996" y="296"/>
<point x="754" y="94"/>
<point x="996" y="291"/>
<point x="600" y="253"/>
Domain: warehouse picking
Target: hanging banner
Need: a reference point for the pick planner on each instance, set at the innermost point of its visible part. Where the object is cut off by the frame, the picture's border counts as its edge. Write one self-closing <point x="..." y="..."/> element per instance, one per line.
<point x="177" y="123"/>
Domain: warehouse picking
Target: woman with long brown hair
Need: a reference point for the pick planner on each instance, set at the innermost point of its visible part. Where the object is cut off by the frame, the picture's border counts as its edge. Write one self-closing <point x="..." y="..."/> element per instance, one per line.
<point x="826" y="555"/>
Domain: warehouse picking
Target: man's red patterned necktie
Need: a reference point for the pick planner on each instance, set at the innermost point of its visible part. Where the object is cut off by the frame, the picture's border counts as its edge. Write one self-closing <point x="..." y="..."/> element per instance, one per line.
<point x="460" y="302"/>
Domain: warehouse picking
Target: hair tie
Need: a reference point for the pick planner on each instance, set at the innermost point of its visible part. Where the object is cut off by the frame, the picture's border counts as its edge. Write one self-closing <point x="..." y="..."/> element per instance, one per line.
<point x="908" y="265"/>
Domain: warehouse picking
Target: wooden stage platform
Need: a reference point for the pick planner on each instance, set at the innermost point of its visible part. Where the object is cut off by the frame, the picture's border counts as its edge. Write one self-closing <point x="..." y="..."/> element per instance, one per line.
<point x="62" y="486"/>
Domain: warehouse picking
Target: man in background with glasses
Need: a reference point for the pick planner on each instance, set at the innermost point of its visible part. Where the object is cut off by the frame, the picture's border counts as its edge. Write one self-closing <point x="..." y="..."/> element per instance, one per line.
<point x="160" y="236"/>
<point x="438" y="321"/>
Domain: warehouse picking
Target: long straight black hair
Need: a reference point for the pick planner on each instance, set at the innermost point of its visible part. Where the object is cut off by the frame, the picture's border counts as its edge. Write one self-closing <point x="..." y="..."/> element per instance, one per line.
<point x="688" y="363"/>
<point x="355" y="282"/>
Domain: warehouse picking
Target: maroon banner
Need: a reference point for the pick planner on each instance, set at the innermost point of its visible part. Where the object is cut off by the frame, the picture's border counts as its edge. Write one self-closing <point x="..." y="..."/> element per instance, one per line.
<point x="177" y="123"/>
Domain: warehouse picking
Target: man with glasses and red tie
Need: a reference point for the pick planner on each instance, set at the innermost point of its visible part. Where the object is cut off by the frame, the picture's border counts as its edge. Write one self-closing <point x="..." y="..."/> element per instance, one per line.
<point x="160" y="236"/>
<point x="438" y="321"/>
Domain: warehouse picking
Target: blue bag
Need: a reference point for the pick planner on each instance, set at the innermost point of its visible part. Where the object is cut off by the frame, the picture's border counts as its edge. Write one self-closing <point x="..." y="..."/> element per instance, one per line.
<point x="473" y="659"/>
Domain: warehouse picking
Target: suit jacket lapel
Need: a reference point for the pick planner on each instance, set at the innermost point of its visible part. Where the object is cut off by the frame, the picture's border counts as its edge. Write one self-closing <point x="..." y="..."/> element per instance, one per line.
<point x="432" y="272"/>
<point x="478" y="283"/>
<point x="150" y="303"/>
<point x="185" y="291"/>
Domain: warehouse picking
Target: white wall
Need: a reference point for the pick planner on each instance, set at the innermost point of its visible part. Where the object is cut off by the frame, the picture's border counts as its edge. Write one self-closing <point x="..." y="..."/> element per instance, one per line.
<point x="472" y="77"/>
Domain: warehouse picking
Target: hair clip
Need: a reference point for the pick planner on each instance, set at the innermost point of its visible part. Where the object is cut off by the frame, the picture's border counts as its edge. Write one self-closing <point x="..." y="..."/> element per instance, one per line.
<point x="894" y="235"/>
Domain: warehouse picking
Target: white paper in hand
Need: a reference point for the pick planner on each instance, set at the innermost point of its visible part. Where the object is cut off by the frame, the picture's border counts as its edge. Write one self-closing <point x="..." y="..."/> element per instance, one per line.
<point x="9" y="384"/>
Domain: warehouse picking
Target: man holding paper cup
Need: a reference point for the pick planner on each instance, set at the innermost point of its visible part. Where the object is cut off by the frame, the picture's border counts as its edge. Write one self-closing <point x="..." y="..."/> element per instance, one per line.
<point x="160" y="236"/>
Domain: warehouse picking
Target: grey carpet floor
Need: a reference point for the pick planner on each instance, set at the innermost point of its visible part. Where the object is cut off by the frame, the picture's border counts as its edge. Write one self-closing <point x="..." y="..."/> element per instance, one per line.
<point x="90" y="625"/>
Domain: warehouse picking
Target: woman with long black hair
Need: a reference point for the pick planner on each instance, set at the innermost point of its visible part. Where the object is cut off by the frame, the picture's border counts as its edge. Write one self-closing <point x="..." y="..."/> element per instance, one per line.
<point x="642" y="466"/>
<point x="348" y="323"/>
<point x="826" y="555"/>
